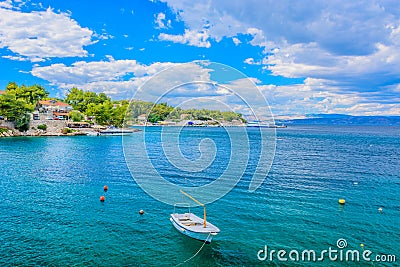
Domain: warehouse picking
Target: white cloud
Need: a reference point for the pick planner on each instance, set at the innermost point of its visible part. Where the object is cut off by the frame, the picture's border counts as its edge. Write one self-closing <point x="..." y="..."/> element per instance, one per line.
<point x="162" y="22"/>
<point x="193" y="38"/>
<point x="236" y="41"/>
<point x="42" y="34"/>
<point x="259" y="39"/>
<point x="373" y="70"/>
<point x="350" y="48"/>
<point x="250" y="61"/>
<point x="16" y="58"/>
<point x="321" y="96"/>
<point x="116" y="77"/>
<point x="338" y="26"/>
<point x="103" y="36"/>
<point x="6" y="4"/>
<point x="200" y="15"/>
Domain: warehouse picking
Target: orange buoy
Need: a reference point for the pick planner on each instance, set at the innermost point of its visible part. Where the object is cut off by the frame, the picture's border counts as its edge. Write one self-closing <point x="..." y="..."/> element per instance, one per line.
<point x="141" y="212"/>
<point x="105" y="188"/>
<point x="102" y="198"/>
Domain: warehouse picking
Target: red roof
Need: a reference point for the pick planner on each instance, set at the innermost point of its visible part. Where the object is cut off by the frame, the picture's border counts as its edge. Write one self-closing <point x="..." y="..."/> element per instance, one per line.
<point x="53" y="103"/>
<point x="2" y="92"/>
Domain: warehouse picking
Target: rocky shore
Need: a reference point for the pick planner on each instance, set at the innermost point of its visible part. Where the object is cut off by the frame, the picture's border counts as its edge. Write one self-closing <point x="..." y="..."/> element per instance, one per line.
<point x="52" y="128"/>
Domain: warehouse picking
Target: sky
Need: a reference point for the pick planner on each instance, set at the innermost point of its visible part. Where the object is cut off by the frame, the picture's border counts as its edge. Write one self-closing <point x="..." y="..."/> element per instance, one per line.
<point x="303" y="57"/>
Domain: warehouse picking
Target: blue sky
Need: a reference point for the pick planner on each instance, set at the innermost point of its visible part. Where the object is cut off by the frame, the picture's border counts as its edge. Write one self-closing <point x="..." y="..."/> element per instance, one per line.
<point x="305" y="57"/>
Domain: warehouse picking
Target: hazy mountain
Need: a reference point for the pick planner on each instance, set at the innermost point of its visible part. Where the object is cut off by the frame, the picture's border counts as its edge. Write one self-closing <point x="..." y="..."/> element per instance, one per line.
<point x="343" y="119"/>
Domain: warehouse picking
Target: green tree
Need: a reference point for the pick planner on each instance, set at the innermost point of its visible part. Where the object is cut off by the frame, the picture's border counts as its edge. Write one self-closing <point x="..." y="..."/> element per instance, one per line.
<point x="102" y="112"/>
<point x="30" y="94"/>
<point x="159" y="112"/>
<point x="80" y="100"/>
<point x="119" y="113"/>
<point x="230" y="116"/>
<point x="76" y="116"/>
<point x="101" y="98"/>
<point x="22" y="122"/>
<point x="75" y="98"/>
<point x="15" y="110"/>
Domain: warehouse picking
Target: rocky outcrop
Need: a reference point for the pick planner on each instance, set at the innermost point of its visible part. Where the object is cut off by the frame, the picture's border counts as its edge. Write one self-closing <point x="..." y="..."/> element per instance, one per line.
<point x="7" y="133"/>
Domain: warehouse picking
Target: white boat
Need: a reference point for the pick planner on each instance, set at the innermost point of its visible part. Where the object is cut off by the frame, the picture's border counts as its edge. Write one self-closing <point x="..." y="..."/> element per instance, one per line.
<point x="92" y="133"/>
<point x="116" y="131"/>
<point x="257" y="124"/>
<point x="193" y="226"/>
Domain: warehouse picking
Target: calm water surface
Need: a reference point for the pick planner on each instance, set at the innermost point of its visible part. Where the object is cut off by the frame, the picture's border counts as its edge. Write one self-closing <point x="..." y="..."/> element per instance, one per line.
<point x="51" y="214"/>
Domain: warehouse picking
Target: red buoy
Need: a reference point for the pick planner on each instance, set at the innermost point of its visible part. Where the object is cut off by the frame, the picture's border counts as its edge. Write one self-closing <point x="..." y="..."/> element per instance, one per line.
<point x="105" y="188"/>
<point x="102" y="198"/>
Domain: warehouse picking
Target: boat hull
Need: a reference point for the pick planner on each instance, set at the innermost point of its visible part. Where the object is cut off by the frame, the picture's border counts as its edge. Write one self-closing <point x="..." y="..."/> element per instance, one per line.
<point x="204" y="237"/>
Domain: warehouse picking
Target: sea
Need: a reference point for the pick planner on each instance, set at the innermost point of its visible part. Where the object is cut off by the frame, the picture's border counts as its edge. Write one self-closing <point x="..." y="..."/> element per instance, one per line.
<point x="51" y="214"/>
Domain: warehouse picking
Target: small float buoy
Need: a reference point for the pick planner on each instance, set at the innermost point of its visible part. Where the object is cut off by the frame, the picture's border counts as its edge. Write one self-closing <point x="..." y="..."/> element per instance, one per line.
<point x="105" y="188"/>
<point x="141" y="212"/>
<point x="380" y="209"/>
<point x="102" y="198"/>
<point x="355" y="183"/>
<point x="342" y="201"/>
<point x="362" y="245"/>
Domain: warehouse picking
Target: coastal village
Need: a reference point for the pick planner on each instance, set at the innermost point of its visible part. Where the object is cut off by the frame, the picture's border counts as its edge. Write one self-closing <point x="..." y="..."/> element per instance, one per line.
<point x="55" y="117"/>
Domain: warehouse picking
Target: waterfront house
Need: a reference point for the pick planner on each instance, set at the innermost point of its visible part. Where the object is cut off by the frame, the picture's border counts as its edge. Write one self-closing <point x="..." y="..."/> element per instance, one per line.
<point x="184" y="116"/>
<point x="142" y="118"/>
<point x="55" y="109"/>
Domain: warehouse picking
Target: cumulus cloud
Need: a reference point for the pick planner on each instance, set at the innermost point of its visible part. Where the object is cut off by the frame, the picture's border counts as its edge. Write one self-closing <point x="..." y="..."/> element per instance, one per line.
<point x="338" y="26"/>
<point x="193" y="38"/>
<point x="323" y="96"/>
<point x="30" y="35"/>
<point x="358" y="72"/>
<point x="350" y="48"/>
<point x="119" y="78"/>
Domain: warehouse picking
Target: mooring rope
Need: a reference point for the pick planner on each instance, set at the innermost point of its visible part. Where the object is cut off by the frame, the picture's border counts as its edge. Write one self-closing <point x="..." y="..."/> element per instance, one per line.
<point x="205" y="241"/>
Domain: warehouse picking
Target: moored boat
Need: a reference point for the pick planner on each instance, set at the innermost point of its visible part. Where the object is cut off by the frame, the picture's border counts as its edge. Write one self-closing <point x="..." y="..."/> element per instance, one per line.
<point x="193" y="226"/>
<point x="116" y="131"/>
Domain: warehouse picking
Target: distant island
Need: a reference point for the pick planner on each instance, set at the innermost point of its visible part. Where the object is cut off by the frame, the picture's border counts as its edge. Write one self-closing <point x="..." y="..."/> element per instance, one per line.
<point x="343" y="119"/>
<point x="28" y="110"/>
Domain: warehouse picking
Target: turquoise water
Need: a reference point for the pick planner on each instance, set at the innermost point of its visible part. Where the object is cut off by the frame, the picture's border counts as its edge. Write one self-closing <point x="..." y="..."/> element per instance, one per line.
<point x="51" y="213"/>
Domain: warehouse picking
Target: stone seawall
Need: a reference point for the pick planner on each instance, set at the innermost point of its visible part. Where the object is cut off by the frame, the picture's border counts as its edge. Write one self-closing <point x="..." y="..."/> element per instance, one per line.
<point x="53" y="128"/>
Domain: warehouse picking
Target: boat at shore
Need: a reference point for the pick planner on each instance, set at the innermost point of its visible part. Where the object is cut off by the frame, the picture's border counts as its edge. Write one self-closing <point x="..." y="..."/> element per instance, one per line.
<point x="116" y="131"/>
<point x="193" y="226"/>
